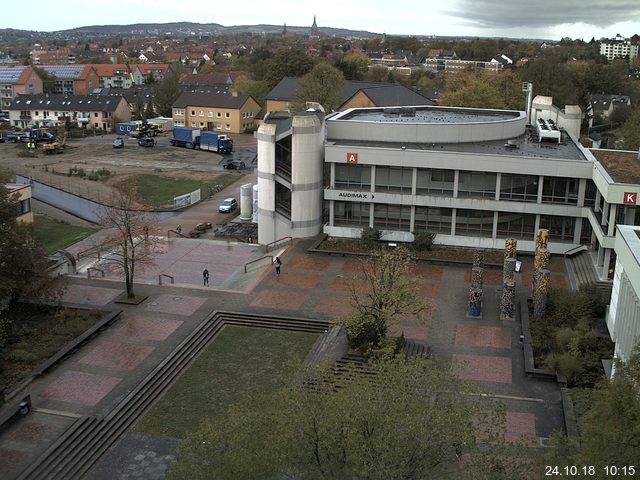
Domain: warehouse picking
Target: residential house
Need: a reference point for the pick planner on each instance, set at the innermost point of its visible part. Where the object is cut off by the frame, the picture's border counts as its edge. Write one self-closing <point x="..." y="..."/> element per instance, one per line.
<point x="502" y="59"/>
<point x="73" y="79"/>
<point x="89" y="111"/>
<point x="603" y="106"/>
<point x="17" y="80"/>
<point x="215" y="112"/>
<point x="24" y="213"/>
<point x="158" y="71"/>
<point x="353" y="94"/>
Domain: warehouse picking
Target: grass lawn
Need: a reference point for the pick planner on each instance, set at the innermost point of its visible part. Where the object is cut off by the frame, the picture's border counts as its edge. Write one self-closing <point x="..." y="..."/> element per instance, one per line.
<point x="55" y="234"/>
<point x="239" y="361"/>
<point x="159" y="190"/>
<point x="38" y="333"/>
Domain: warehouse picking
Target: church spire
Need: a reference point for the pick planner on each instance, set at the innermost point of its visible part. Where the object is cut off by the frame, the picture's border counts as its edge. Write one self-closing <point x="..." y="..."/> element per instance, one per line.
<point x="314" y="28"/>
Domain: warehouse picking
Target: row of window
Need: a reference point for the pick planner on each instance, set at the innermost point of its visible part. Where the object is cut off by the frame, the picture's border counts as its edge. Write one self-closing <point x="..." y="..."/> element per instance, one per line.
<point x="210" y="114"/>
<point x="474" y="223"/>
<point x="521" y="188"/>
<point x="214" y="126"/>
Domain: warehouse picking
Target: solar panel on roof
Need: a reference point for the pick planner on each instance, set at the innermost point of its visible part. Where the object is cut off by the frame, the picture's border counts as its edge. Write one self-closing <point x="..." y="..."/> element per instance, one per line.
<point x="10" y="74"/>
<point x="64" y="71"/>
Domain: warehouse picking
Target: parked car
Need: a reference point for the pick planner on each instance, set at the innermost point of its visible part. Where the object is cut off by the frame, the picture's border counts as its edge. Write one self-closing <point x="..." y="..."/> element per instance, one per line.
<point x="234" y="165"/>
<point x="118" y="142"/>
<point x="228" y="205"/>
<point x="146" y="142"/>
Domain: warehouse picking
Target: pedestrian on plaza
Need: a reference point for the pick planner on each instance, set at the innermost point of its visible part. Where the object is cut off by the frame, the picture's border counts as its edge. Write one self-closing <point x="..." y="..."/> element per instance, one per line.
<point x="145" y="229"/>
<point x="278" y="264"/>
<point x="179" y="229"/>
<point x="205" y="277"/>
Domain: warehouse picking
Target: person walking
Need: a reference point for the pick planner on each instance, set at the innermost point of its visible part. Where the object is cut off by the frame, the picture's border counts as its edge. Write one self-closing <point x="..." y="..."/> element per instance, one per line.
<point x="179" y="229"/>
<point x="278" y="264"/>
<point x="205" y="277"/>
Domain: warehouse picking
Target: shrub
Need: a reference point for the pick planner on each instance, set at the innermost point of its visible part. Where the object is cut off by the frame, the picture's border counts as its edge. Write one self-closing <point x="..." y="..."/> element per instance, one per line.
<point x="370" y="236"/>
<point x="363" y="332"/>
<point x="23" y="356"/>
<point x="567" y="364"/>
<point x="423" y="241"/>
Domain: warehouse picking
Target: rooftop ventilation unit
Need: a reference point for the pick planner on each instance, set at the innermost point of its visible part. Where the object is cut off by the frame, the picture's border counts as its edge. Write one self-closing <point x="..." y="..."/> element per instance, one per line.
<point x="547" y="131"/>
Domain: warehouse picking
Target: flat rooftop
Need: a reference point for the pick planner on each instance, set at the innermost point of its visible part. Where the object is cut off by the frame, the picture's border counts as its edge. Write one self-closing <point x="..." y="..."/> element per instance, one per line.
<point x="526" y="145"/>
<point x="437" y="115"/>
<point x="623" y="166"/>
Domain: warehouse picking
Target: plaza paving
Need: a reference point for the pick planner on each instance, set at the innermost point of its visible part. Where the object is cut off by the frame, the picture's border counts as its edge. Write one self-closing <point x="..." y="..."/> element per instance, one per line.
<point x="97" y="376"/>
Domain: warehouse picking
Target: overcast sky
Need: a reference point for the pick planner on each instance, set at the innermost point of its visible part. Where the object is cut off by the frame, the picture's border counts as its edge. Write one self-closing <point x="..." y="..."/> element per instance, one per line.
<point x="549" y="19"/>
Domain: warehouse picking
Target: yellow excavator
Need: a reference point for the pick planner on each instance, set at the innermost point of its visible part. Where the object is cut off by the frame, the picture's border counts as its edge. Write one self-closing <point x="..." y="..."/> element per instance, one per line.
<point x="57" y="146"/>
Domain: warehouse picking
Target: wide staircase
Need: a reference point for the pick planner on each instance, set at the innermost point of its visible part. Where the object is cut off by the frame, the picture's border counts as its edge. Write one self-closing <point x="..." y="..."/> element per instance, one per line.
<point x="89" y="437"/>
<point x="581" y="269"/>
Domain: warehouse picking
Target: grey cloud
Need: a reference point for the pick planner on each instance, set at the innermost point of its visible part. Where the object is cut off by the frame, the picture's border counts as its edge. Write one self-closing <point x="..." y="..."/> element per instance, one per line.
<point x="545" y="13"/>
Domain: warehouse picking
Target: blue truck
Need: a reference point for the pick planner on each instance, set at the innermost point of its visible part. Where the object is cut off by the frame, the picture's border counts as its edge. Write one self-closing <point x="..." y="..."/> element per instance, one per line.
<point x="215" y="142"/>
<point x="185" y="137"/>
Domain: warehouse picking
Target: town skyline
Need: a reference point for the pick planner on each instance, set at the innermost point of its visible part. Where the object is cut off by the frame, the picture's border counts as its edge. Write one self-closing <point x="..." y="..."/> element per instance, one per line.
<point x="544" y="19"/>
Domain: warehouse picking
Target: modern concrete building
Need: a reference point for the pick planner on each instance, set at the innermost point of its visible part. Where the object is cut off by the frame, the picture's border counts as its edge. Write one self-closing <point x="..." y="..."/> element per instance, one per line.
<point x="472" y="176"/>
<point x="623" y="317"/>
<point x="290" y="175"/>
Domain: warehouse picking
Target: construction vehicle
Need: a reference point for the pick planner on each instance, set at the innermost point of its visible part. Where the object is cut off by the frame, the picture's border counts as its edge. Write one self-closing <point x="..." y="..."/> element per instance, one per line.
<point x="143" y="128"/>
<point x="55" y="146"/>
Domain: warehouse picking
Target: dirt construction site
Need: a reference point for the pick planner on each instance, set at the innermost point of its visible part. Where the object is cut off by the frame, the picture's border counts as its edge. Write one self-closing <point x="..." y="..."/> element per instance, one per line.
<point x="95" y="157"/>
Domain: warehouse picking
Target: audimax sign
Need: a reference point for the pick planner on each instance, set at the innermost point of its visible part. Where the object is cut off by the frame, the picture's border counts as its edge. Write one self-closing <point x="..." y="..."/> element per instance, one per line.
<point x="354" y="195"/>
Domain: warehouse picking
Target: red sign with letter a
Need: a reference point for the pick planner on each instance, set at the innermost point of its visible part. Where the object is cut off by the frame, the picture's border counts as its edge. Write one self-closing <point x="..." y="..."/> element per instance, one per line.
<point x="352" y="158"/>
<point x="630" y="198"/>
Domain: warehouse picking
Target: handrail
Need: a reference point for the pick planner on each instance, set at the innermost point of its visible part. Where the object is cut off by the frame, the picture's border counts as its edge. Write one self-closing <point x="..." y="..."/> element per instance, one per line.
<point x="96" y="269"/>
<point x="268" y="245"/>
<point x="256" y="260"/>
<point x="81" y="253"/>
<point x="164" y="275"/>
<point x="574" y="250"/>
<point x="177" y="233"/>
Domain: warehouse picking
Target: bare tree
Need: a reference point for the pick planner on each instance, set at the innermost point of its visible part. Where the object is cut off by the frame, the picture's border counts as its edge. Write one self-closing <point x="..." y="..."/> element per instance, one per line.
<point x="130" y="243"/>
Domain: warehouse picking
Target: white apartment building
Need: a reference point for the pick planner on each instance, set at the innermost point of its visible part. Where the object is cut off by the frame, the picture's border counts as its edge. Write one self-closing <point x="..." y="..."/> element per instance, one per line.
<point x="618" y="47"/>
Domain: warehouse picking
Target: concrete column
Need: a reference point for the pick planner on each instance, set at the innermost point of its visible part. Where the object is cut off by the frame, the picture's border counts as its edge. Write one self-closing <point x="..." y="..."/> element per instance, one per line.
<point x="456" y="178"/>
<point x="371" y="207"/>
<point x="373" y="179"/>
<point x="540" y="185"/>
<point x="577" y="230"/>
<point x="604" y="272"/>
<point x="536" y="227"/>
<point x="332" y="179"/>
<point x="412" y="221"/>
<point x="494" y="232"/>
<point x="498" y="182"/>
<point x="605" y="214"/>
<point x="582" y="189"/>
<point x="414" y="182"/>
<point x="613" y="209"/>
<point x="596" y="207"/>
<point x="453" y="221"/>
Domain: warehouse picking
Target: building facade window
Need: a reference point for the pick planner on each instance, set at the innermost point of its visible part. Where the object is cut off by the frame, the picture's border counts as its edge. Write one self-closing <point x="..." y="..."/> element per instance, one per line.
<point x="474" y="223"/>
<point x="433" y="219"/>
<point x="392" y="217"/>
<point x="24" y="206"/>
<point x="519" y="188"/>
<point x="356" y="177"/>
<point x="516" y="225"/>
<point x="561" y="229"/>
<point x="477" y="184"/>
<point x="590" y="194"/>
<point x="202" y="113"/>
<point x="560" y="190"/>
<point x="351" y="214"/>
<point x="394" y="179"/>
<point x="193" y="113"/>
<point x="227" y="115"/>
<point x="435" y="182"/>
